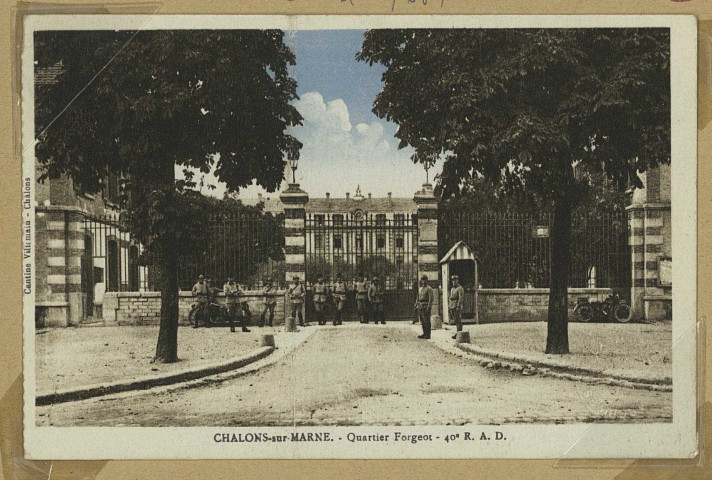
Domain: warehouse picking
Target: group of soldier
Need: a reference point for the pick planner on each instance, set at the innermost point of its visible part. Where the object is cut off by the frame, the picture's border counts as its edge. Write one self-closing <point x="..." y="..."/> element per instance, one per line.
<point x="369" y="301"/>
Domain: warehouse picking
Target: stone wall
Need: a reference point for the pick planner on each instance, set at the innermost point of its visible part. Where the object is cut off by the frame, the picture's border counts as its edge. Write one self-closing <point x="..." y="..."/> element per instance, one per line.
<point x="144" y="308"/>
<point x="527" y="304"/>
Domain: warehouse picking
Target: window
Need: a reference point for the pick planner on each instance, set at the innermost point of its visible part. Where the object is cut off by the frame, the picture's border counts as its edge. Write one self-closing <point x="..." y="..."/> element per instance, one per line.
<point x="359" y="241"/>
<point x="337" y="242"/>
<point x="338" y="220"/>
<point x="319" y="219"/>
<point x="381" y="240"/>
<point x="381" y="219"/>
<point x="399" y="219"/>
<point x="112" y="267"/>
<point x="319" y="243"/>
<point x="133" y="269"/>
<point x="591" y="277"/>
<point x="399" y="241"/>
<point x="112" y="188"/>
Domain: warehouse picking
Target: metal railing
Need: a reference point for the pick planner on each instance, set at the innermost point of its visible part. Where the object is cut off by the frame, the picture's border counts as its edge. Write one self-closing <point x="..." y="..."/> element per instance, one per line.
<point x="514" y="250"/>
<point x="376" y="245"/>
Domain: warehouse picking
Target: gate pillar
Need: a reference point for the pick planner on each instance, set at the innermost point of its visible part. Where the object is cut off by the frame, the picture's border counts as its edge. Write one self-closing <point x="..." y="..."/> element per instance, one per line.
<point x="649" y="221"/>
<point x="294" y="200"/>
<point x="427" y="204"/>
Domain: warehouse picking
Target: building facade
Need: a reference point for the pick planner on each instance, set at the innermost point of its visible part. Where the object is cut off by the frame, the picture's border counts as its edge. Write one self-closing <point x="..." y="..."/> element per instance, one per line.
<point x="358" y="234"/>
<point x="81" y="252"/>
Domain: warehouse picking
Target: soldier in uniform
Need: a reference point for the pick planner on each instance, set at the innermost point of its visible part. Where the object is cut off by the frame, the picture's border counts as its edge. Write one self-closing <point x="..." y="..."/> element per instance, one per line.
<point x="362" y="298"/>
<point x="200" y="291"/>
<point x="320" y="293"/>
<point x="232" y="299"/>
<point x="457" y="298"/>
<point x="269" y="302"/>
<point x="375" y="297"/>
<point x="340" y="290"/>
<point x="424" y="305"/>
<point x="296" y="296"/>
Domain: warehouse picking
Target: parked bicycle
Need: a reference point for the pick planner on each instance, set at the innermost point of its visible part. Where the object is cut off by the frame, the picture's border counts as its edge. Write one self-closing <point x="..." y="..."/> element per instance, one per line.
<point x="613" y="308"/>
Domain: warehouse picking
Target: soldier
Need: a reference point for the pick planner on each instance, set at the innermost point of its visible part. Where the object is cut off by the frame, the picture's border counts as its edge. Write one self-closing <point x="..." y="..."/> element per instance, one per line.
<point x="320" y="293"/>
<point x="269" y="302"/>
<point x="296" y="296"/>
<point x="362" y="298"/>
<point x="457" y="298"/>
<point x="232" y="300"/>
<point x="340" y="290"/>
<point x="200" y="291"/>
<point x="375" y="296"/>
<point x="424" y="304"/>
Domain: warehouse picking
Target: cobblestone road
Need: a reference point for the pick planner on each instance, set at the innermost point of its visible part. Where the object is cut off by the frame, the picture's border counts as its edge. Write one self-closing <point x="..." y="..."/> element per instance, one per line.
<point x="371" y="375"/>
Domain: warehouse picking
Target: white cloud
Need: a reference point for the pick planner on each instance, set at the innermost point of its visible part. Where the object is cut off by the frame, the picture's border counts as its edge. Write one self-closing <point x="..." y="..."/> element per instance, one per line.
<point x="337" y="156"/>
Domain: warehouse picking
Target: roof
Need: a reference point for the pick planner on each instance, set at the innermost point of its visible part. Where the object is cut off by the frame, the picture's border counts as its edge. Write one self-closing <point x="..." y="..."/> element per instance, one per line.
<point x="459" y="251"/>
<point x="346" y="205"/>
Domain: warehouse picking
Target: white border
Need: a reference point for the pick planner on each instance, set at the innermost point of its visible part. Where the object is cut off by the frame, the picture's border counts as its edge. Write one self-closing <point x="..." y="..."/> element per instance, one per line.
<point x="670" y="440"/>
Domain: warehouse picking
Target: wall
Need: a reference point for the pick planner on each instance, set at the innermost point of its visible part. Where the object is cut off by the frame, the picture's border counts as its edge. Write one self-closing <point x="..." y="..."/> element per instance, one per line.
<point x="526" y="304"/>
<point x="144" y="308"/>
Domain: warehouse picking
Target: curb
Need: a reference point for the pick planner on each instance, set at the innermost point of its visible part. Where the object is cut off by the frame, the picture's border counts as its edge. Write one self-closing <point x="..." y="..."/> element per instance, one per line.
<point x="529" y="366"/>
<point x="559" y="366"/>
<point x="146" y="382"/>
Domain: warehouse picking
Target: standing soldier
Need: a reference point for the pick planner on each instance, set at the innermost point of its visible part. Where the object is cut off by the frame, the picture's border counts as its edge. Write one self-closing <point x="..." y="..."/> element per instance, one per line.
<point x="375" y="296"/>
<point x="457" y="298"/>
<point x="362" y="298"/>
<point x="296" y="296"/>
<point x="424" y="304"/>
<point x="232" y="299"/>
<point x="200" y="291"/>
<point x="269" y="301"/>
<point x="340" y="290"/>
<point x="320" y="292"/>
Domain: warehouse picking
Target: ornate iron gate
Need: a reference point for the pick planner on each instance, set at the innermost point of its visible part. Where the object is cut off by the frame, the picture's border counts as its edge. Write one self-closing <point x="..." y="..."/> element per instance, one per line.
<point x="375" y="245"/>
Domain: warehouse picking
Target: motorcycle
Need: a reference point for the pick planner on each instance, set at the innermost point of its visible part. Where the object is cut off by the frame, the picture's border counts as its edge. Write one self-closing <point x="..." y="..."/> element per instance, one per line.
<point x="613" y="308"/>
<point x="217" y="314"/>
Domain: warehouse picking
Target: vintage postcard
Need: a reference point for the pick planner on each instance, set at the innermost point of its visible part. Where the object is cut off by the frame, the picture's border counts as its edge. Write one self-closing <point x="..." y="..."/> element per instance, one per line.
<point x="359" y="237"/>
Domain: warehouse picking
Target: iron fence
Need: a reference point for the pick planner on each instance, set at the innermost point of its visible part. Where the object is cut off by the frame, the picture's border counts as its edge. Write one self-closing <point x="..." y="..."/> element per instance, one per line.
<point x="247" y="246"/>
<point x="376" y="245"/>
<point x="111" y="257"/>
<point x="514" y="250"/>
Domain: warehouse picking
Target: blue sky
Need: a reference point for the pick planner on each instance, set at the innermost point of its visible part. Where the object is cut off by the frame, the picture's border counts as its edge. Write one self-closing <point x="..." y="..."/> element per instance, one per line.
<point x="325" y="63"/>
<point x="345" y="144"/>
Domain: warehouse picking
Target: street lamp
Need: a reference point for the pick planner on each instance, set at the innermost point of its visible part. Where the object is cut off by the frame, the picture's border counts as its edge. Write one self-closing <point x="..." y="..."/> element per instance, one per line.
<point x="293" y="165"/>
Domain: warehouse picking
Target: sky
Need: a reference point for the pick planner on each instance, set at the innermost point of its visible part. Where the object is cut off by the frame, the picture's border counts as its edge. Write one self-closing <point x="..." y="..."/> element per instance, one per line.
<point x="345" y="144"/>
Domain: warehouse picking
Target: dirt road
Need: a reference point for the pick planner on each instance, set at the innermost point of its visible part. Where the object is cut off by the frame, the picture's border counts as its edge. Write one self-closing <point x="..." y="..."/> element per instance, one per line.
<point x="370" y="375"/>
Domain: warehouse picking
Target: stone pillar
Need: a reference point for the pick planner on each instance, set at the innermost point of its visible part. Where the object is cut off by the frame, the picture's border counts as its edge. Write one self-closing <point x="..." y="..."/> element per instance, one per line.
<point x="427" y="204"/>
<point x="294" y="200"/>
<point x="650" y="241"/>
<point x="65" y="247"/>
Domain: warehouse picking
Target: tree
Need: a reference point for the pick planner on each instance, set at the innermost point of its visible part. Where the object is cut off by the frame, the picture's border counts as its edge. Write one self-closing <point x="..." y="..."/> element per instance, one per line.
<point x="529" y="110"/>
<point x="142" y="103"/>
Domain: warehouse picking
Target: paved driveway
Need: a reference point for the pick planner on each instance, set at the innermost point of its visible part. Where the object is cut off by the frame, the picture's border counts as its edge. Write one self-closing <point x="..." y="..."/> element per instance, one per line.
<point x="371" y="375"/>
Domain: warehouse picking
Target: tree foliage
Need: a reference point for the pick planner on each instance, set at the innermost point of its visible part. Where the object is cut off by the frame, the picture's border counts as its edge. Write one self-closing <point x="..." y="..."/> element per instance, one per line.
<point x="142" y="103"/>
<point x="530" y="109"/>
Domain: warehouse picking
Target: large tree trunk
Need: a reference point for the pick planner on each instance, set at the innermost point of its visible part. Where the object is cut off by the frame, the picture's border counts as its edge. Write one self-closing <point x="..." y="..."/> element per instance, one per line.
<point x="167" y="345"/>
<point x="557" y="339"/>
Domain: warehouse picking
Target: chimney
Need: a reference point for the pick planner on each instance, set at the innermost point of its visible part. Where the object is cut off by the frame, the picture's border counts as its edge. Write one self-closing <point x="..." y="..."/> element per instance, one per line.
<point x="390" y="194"/>
<point x="347" y="194"/>
<point x="328" y="194"/>
<point x="369" y="195"/>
